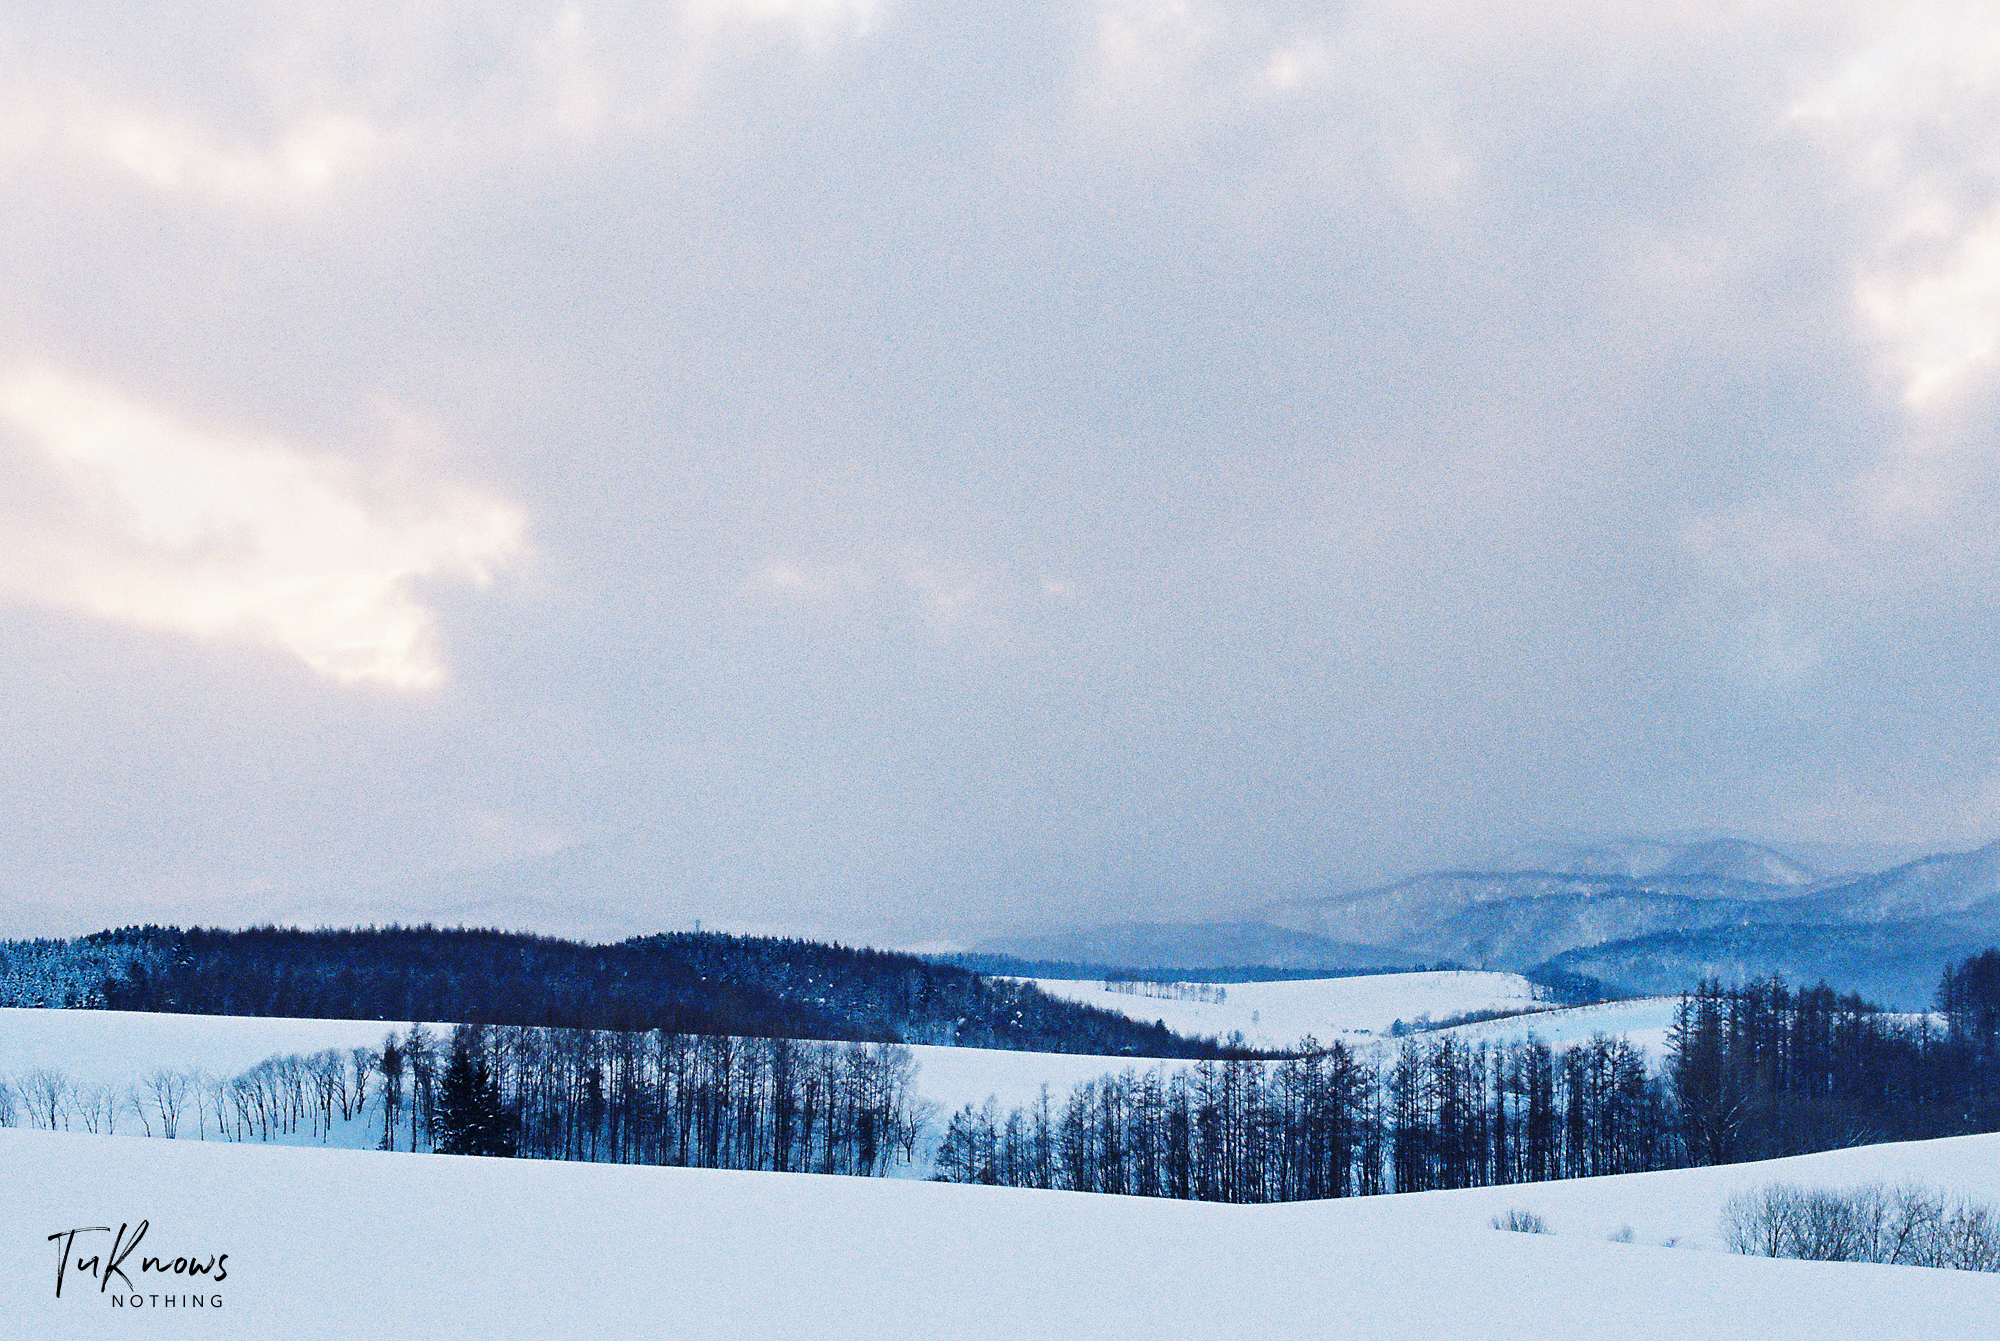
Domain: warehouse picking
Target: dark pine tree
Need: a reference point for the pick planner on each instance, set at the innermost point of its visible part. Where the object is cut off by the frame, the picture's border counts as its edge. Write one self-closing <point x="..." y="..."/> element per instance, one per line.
<point x="470" y="1118"/>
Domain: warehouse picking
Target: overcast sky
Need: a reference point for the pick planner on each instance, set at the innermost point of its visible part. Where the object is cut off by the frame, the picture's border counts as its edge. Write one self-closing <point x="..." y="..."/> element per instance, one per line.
<point x="895" y="470"/>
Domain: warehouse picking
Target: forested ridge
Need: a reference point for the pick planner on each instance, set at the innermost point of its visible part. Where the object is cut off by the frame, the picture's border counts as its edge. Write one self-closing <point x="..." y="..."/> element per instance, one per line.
<point x="682" y="983"/>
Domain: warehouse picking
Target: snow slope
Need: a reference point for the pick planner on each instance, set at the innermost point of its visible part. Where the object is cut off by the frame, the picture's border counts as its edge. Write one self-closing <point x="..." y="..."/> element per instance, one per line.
<point x="338" y="1244"/>
<point x="1279" y="1014"/>
<point x="1644" y="1022"/>
<point x="116" y="1047"/>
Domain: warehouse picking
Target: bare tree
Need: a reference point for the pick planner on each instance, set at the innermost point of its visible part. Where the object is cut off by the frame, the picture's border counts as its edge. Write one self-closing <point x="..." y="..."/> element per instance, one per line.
<point x="45" y="1093"/>
<point x="96" y="1107"/>
<point x="216" y="1090"/>
<point x="355" y="1098"/>
<point x="420" y="1058"/>
<point x="169" y="1092"/>
<point x="1911" y="1226"/>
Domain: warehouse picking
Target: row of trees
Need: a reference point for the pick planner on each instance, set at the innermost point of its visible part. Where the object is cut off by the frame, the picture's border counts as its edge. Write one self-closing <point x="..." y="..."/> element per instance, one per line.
<point x="1326" y="1124"/>
<point x="1216" y="1131"/>
<point x="278" y="1097"/>
<point x="1213" y="993"/>
<point x="708" y="1101"/>
<point x="1903" y="1226"/>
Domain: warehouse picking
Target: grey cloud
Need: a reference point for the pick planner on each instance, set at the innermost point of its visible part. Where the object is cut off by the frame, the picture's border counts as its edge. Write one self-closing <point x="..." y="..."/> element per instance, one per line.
<point x="994" y="465"/>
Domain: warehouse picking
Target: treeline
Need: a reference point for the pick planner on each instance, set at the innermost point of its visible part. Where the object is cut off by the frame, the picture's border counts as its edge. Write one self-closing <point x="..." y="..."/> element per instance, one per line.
<point x="1212" y="993"/>
<point x="1232" y="1131"/>
<point x="612" y="1096"/>
<point x="1969" y="997"/>
<point x="1326" y="1124"/>
<point x="1760" y="1071"/>
<point x="279" y="1097"/>
<point x="683" y="983"/>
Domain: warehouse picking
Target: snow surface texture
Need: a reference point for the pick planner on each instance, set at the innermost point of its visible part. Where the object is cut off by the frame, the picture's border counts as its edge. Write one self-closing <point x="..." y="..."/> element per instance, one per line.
<point x="341" y="1243"/>
<point x="1279" y="1014"/>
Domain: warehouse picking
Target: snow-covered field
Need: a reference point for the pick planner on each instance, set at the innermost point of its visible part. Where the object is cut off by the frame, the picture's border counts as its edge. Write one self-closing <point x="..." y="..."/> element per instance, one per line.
<point x="345" y="1243"/>
<point x="116" y="1047"/>
<point x="1645" y="1023"/>
<point x="1279" y="1014"/>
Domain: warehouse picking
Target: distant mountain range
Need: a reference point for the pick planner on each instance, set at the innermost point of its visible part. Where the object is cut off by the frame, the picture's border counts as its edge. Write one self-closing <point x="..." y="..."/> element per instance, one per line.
<point x="1651" y="916"/>
<point x="1195" y="945"/>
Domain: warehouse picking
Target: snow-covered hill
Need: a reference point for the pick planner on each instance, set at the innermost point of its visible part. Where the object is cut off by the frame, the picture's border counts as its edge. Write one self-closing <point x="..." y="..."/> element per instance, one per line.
<point x="1949" y="885"/>
<point x="117" y="1047"/>
<point x="1645" y="1023"/>
<point x="1279" y="1014"/>
<point x="339" y="1244"/>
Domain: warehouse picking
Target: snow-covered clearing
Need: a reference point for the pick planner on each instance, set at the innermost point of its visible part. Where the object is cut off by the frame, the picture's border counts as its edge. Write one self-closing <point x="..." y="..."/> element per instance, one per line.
<point x="1645" y="1023"/>
<point x="340" y="1243"/>
<point x="1279" y="1014"/>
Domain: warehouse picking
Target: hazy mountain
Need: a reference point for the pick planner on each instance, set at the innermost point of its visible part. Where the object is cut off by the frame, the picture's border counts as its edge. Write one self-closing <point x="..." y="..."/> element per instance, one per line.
<point x="1514" y="918"/>
<point x="1652" y="915"/>
<point x="1894" y="963"/>
<point x="1642" y="858"/>
<point x="1195" y="945"/>
<point x="1734" y="859"/>
<point x="1961" y="885"/>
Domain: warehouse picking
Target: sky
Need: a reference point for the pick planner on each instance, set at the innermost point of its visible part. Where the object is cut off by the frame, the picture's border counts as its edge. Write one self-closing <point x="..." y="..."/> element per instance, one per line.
<point x="903" y="470"/>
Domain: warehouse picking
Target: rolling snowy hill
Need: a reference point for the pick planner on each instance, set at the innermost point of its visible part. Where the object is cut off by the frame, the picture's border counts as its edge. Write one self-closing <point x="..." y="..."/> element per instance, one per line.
<point x="339" y="1244"/>
<point x="1279" y="1014"/>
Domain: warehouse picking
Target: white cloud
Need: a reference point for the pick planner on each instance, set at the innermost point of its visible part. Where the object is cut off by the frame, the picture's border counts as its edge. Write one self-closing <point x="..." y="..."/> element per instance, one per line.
<point x="1910" y="117"/>
<point x="1941" y="317"/>
<point x="813" y="21"/>
<point x="1907" y="112"/>
<point x="170" y="526"/>
<point x="301" y="104"/>
<point x="305" y="160"/>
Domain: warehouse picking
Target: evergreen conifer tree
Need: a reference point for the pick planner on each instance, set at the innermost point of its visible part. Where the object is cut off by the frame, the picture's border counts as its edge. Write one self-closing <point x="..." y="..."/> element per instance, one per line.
<point x="471" y="1120"/>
